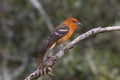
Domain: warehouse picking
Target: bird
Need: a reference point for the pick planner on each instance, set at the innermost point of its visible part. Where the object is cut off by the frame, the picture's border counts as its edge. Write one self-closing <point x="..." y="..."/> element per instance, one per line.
<point x="60" y="35"/>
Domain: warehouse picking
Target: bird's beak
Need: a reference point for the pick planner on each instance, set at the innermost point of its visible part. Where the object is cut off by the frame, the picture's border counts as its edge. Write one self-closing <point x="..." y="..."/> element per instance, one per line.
<point x="79" y="24"/>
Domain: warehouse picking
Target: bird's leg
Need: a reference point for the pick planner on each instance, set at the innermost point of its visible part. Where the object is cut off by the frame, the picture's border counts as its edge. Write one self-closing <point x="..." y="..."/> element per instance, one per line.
<point x="60" y="47"/>
<point x="61" y="50"/>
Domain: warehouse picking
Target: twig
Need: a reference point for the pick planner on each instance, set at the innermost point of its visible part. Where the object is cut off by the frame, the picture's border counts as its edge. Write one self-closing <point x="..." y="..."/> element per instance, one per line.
<point x="46" y="67"/>
<point x="43" y="13"/>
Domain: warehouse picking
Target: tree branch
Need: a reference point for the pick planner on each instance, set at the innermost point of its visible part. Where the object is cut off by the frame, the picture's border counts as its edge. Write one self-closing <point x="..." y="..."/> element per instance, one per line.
<point x="46" y="67"/>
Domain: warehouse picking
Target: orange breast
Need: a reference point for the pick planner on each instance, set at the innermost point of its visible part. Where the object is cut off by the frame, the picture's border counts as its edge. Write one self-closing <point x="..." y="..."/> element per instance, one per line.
<point x="64" y="38"/>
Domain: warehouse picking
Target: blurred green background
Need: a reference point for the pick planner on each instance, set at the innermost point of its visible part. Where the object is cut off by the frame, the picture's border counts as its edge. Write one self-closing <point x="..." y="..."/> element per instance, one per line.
<point x="23" y="29"/>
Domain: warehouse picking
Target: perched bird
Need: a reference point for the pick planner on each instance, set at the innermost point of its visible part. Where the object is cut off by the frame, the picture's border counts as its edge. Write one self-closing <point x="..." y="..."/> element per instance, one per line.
<point x="61" y="34"/>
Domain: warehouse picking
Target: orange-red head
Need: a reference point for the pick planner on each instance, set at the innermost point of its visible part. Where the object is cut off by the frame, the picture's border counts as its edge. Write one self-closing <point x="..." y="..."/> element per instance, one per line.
<point x="72" y="23"/>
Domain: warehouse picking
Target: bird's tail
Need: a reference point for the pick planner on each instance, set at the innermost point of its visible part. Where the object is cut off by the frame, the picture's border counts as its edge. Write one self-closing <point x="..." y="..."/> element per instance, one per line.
<point x="47" y="51"/>
<point x="45" y="55"/>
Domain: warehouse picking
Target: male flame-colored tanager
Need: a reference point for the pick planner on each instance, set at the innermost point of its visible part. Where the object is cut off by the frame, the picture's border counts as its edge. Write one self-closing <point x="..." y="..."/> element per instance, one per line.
<point x="61" y="34"/>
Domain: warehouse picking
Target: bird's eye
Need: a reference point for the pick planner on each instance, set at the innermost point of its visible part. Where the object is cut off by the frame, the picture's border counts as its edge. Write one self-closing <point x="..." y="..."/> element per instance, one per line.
<point x="73" y="21"/>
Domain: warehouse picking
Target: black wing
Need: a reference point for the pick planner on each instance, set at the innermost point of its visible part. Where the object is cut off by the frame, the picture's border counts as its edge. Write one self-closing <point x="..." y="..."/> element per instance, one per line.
<point x="59" y="32"/>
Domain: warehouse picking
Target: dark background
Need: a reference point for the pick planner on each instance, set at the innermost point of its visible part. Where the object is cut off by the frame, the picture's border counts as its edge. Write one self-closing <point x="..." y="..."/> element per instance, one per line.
<point x="23" y="29"/>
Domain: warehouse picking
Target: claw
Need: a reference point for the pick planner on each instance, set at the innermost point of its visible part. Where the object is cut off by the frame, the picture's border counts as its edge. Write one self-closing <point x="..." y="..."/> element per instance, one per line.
<point x="50" y="73"/>
<point x="44" y="71"/>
